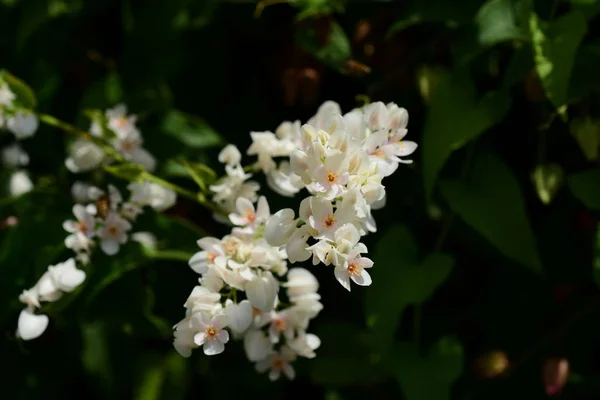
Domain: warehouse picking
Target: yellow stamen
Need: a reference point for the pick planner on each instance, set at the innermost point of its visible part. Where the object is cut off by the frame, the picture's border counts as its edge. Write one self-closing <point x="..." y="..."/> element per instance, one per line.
<point x="331" y="177"/>
<point x="354" y="270"/>
<point x="329" y="221"/>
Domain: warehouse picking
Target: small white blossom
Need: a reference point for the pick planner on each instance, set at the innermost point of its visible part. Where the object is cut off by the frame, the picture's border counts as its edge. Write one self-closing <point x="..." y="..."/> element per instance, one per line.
<point x="66" y="276"/>
<point x="262" y="291"/>
<point x="6" y="95"/>
<point x="240" y="315"/>
<point x="212" y="337"/>
<point x="84" y="192"/>
<point x="257" y="345"/>
<point x="19" y="183"/>
<point x="113" y="234"/>
<point x="22" y="125"/>
<point x="152" y="194"/>
<point x="278" y="363"/>
<point x="84" y="156"/>
<point x="230" y="155"/>
<point x="30" y="325"/>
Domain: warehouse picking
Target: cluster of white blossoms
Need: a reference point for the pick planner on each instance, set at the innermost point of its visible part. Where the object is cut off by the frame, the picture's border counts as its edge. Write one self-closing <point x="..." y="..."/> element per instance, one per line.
<point x="106" y="220"/>
<point x="273" y="332"/>
<point x="22" y="124"/>
<point x="341" y="161"/>
<point x="121" y="132"/>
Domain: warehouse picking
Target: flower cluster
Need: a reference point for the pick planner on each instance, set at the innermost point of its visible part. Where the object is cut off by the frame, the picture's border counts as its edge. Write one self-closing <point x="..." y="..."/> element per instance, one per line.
<point x="341" y="161"/>
<point x="23" y="125"/>
<point x="121" y="132"/>
<point x="105" y="219"/>
<point x="274" y="333"/>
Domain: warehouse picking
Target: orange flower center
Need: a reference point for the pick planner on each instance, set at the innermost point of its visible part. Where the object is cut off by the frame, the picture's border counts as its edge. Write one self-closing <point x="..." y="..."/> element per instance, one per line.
<point x="113" y="231"/>
<point x="277" y="363"/>
<point x="329" y="221"/>
<point x="354" y="270"/>
<point x="211" y="332"/>
<point x="280" y="324"/>
<point x="332" y="177"/>
<point x="250" y="216"/>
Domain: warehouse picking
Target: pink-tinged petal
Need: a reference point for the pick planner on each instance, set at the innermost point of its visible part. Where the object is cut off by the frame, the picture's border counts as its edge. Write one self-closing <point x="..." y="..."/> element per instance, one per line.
<point x="288" y="371"/>
<point x="220" y="321"/>
<point x="274" y="374"/>
<point x="223" y="336"/>
<point x="79" y="212"/>
<point x="405" y="148"/>
<point x="341" y="274"/>
<point x="263" y="366"/>
<point x="200" y="338"/>
<point x="365" y="262"/>
<point x="213" y="347"/>
<point x="221" y="261"/>
<point x="244" y="206"/>
<point x="273" y="334"/>
<point x="364" y="279"/>
<point x="237" y="219"/>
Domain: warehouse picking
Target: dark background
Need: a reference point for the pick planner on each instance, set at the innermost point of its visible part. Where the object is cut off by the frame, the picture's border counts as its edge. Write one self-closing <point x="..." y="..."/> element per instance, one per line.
<point x="477" y="271"/>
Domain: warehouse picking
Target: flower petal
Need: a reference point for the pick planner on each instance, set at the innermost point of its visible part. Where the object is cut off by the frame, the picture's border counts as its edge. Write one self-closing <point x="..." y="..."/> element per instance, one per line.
<point x="213" y="347"/>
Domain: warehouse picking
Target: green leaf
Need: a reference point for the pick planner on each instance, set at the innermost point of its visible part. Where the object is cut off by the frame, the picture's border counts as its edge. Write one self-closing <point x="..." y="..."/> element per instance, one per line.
<point x="334" y="52"/>
<point x="497" y="22"/>
<point x="95" y="354"/>
<point x="131" y="172"/>
<point x="456" y="116"/>
<point x="430" y="377"/>
<point x="401" y="279"/>
<point x="554" y="46"/>
<point x="25" y="94"/>
<point x="203" y="175"/>
<point x="316" y="8"/>
<point x="547" y="179"/>
<point x="597" y="258"/>
<point x="587" y="133"/>
<point x="585" y="186"/>
<point x="192" y="131"/>
<point x="113" y="88"/>
<point x="492" y="203"/>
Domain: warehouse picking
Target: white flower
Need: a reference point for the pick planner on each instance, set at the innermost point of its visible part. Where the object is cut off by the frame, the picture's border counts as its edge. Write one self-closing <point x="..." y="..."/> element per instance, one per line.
<point x="247" y="215"/>
<point x="84" y="156"/>
<point x="262" y="291"/>
<point x="84" y="192"/>
<point x="233" y="186"/>
<point x="257" y="345"/>
<point x="305" y="344"/>
<point x="13" y="156"/>
<point x="78" y="242"/>
<point x="324" y="220"/>
<point x="230" y="155"/>
<point x="240" y="315"/>
<point x="281" y="323"/>
<point x="212" y="254"/>
<point x="183" y="337"/>
<point x="152" y="194"/>
<point x="85" y="223"/>
<point x="354" y="269"/>
<point x="131" y="210"/>
<point x="22" y="124"/>
<point x="19" y="183"/>
<point x="277" y="363"/>
<point x="119" y="122"/>
<point x="280" y="227"/>
<point x="330" y="177"/>
<point x="66" y="276"/>
<point x="30" y="325"/>
<point x="6" y="95"/>
<point x="300" y="282"/>
<point x="30" y="297"/>
<point x="284" y="181"/>
<point x="47" y="288"/>
<point x="212" y="336"/>
<point x="203" y="299"/>
<point x="113" y="233"/>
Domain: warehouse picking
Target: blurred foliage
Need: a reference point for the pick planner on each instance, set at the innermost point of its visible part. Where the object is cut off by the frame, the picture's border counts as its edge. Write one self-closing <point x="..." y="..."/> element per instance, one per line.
<point x="489" y="244"/>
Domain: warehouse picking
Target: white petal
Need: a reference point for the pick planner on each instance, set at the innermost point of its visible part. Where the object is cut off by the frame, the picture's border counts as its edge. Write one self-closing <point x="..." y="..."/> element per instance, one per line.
<point x="288" y="371"/>
<point x="198" y="262"/>
<point x="364" y="279"/>
<point x="213" y="347"/>
<point x="220" y="321"/>
<point x="30" y="325"/>
<point x="200" y="338"/>
<point x="110" y="246"/>
<point x="223" y="336"/>
<point x="240" y="315"/>
<point x="341" y="274"/>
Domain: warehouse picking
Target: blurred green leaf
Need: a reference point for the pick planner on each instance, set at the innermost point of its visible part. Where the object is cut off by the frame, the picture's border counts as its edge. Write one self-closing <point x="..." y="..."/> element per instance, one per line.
<point x="317" y="8"/>
<point x="25" y="95"/>
<point x="401" y="279"/>
<point x="492" y="203"/>
<point x="203" y="175"/>
<point x="113" y="88"/>
<point x="131" y="172"/>
<point x="95" y="354"/>
<point x="520" y="65"/>
<point x="497" y="22"/>
<point x="584" y="76"/>
<point x="191" y="131"/>
<point x="587" y="133"/>
<point x="456" y="116"/>
<point x="585" y="186"/>
<point x="334" y="52"/>
<point x="430" y="377"/>
<point x="555" y="45"/>
<point x="547" y="179"/>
